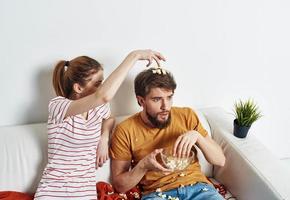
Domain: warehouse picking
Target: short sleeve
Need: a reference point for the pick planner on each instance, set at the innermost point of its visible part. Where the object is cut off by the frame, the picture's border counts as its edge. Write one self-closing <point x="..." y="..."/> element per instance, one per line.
<point x="195" y="124"/>
<point x="57" y="109"/>
<point x="104" y="111"/>
<point x="120" y="145"/>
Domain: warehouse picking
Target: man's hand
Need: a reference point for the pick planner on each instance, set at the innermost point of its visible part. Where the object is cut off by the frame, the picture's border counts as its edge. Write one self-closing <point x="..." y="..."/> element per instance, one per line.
<point x="149" y="163"/>
<point x="184" y="143"/>
<point x="102" y="153"/>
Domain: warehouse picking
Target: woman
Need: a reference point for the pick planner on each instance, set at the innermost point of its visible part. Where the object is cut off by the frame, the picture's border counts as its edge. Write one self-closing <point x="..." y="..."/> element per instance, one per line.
<point x="77" y="117"/>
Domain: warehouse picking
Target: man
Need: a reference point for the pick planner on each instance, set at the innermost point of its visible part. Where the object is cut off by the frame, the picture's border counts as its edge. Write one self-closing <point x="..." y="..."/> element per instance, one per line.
<point x="138" y="141"/>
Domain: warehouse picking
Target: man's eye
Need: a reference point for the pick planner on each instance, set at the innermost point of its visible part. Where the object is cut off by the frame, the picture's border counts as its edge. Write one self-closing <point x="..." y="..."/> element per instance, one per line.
<point x="155" y="100"/>
<point x="98" y="83"/>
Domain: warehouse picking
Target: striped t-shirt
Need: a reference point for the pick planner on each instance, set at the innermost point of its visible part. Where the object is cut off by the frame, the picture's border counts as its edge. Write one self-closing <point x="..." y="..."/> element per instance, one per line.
<point x="72" y="143"/>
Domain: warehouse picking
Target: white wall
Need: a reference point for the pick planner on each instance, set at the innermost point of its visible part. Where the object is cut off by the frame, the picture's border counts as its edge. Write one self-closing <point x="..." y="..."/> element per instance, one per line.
<point x="219" y="52"/>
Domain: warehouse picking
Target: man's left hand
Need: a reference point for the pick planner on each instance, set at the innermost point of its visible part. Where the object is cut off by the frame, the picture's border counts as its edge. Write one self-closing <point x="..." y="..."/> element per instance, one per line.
<point x="184" y="143"/>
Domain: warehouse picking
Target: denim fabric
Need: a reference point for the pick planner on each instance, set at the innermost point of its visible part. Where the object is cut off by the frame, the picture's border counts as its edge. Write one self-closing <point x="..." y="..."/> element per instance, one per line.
<point x="198" y="191"/>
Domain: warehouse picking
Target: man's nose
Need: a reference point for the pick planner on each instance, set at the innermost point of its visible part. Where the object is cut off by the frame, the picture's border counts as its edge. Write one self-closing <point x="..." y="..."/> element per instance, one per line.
<point x="164" y="105"/>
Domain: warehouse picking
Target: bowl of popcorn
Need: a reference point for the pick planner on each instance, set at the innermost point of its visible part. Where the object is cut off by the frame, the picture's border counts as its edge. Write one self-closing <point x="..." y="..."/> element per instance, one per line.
<point x="173" y="162"/>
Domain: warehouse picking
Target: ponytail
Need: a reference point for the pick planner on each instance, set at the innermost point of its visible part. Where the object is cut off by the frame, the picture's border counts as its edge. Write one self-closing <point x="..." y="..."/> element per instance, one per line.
<point x="59" y="80"/>
<point x="66" y="73"/>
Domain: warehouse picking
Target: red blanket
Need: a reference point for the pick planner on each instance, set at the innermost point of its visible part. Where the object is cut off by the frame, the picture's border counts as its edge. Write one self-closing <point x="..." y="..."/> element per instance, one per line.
<point x="12" y="195"/>
<point x="106" y="192"/>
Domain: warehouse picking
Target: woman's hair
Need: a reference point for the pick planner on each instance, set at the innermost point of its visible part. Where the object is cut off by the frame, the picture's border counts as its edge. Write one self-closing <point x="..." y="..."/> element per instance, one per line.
<point x="66" y="73"/>
<point x="148" y="79"/>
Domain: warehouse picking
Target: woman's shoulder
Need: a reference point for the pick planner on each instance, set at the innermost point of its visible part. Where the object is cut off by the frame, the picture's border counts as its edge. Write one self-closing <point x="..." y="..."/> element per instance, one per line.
<point x="58" y="98"/>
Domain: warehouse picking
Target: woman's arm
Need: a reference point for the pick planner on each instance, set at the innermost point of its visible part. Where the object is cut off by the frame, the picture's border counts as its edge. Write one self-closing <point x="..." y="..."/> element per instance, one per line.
<point x="110" y="86"/>
<point x="103" y="146"/>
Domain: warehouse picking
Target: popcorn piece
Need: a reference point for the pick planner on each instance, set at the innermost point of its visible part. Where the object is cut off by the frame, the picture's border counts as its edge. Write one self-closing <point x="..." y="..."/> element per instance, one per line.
<point x="123" y="195"/>
<point x="182" y="174"/>
<point x="135" y="194"/>
<point x="172" y="198"/>
<point x="159" y="70"/>
<point x="163" y="196"/>
<point x="163" y="71"/>
<point x="158" y="190"/>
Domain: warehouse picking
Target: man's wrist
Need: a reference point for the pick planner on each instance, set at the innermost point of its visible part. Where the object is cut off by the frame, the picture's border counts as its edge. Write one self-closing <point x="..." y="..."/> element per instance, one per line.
<point x="197" y="134"/>
<point x="141" y="166"/>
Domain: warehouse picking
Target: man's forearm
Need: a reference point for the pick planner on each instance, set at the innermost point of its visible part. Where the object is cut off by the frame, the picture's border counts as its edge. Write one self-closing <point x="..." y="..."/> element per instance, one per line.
<point x="127" y="180"/>
<point x="212" y="151"/>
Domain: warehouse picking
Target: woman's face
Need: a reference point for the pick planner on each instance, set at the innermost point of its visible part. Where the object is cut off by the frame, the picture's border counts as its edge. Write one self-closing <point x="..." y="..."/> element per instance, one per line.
<point x="93" y="82"/>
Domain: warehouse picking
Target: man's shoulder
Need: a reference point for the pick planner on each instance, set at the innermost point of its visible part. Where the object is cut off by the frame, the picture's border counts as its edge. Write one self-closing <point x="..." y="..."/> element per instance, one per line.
<point x="128" y="122"/>
<point x="181" y="110"/>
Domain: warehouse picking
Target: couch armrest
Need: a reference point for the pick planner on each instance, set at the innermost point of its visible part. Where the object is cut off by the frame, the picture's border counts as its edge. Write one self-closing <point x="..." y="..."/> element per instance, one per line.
<point x="251" y="170"/>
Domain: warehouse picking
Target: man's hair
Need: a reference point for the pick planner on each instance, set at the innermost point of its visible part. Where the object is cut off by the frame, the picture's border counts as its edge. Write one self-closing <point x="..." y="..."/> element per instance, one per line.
<point x="146" y="80"/>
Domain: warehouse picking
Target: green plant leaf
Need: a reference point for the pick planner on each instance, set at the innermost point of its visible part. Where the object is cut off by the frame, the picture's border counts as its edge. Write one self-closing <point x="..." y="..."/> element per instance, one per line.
<point x="246" y="112"/>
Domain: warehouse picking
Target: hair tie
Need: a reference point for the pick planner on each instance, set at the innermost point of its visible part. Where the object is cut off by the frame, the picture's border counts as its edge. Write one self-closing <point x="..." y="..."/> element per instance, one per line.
<point x="66" y="63"/>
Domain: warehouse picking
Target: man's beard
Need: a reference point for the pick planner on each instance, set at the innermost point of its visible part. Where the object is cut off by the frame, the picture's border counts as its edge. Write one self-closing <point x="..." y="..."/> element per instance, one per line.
<point x="157" y="124"/>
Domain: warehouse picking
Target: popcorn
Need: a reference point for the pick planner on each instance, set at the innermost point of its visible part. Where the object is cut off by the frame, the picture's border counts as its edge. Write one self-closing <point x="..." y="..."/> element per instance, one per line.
<point x="176" y="163"/>
<point x="163" y="196"/>
<point x="159" y="70"/>
<point x="173" y="198"/>
<point x="158" y="190"/>
<point x="123" y="195"/>
<point x="135" y="194"/>
<point x="182" y="175"/>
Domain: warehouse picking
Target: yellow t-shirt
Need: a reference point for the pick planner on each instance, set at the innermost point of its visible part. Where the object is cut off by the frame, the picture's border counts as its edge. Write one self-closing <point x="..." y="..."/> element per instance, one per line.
<point x="133" y="140"/>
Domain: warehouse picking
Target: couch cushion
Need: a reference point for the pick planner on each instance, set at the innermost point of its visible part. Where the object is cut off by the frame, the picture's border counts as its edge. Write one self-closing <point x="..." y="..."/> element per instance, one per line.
<point x="206" y="167"/>
<point x="23" y="153"/>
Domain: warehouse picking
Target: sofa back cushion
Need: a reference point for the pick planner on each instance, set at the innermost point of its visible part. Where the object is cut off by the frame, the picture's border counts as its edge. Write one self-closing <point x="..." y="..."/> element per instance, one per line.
<point x="23" y="153"/>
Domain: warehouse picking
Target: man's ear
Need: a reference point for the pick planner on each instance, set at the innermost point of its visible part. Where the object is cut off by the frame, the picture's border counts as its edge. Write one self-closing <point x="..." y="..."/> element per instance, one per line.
<point x="140" y="100"/>
<point x="77" y="88"/>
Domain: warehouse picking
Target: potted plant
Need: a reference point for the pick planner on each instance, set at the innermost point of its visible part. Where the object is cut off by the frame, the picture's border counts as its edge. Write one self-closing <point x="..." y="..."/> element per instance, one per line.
<point x="246" y="113"/>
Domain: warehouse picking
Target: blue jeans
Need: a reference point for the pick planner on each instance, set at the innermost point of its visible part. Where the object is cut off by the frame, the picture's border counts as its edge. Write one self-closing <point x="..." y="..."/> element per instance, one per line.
<point x="198" y="191"/>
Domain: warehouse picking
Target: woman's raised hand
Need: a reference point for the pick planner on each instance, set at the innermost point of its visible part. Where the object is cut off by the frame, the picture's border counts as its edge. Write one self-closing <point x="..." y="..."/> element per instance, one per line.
<point x="149" y="55"/>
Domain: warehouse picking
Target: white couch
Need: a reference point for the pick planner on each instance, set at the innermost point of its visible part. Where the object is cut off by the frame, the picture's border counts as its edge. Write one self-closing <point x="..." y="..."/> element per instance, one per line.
<point x="251" y="172"/>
